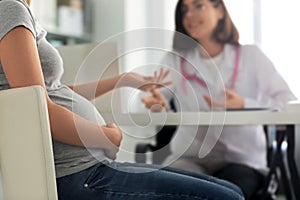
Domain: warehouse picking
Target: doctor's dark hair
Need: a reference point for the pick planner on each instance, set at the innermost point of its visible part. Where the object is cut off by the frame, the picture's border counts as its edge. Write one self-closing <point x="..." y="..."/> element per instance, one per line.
<point x="225" y="32"/>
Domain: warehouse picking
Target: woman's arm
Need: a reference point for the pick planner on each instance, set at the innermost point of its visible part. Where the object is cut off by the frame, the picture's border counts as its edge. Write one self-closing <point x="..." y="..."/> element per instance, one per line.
<point x="232" y="100"/>
<point x="130" y="79"/>
<point x="96" y="89"/>
<point x="21" y="65"/>
<point x="271" y="88"/>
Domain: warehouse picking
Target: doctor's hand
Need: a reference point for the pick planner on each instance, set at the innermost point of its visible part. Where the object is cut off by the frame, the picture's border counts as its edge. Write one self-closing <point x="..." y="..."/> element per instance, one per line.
<point x="156" y="102"/>
<point x="233" y="100"/>
<point x="146" y="83"/>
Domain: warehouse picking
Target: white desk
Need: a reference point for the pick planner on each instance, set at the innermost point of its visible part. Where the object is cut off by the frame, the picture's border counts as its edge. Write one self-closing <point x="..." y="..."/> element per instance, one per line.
<point x="286" y="119"/>
<point x="205" y="118"/>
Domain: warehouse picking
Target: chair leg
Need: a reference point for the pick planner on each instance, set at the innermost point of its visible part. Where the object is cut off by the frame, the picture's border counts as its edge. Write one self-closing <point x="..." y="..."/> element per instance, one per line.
<point x="140" y="152"/>
<point x="294" y="174"/>
<point x="280" y="162"/>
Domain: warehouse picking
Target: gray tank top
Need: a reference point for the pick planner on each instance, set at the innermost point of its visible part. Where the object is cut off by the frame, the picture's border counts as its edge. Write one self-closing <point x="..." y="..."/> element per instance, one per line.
<point x="68" y="159"/>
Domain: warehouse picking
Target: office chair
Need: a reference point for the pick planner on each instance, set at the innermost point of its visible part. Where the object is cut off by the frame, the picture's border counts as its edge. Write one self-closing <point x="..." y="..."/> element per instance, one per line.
<point x="162" y="138"/>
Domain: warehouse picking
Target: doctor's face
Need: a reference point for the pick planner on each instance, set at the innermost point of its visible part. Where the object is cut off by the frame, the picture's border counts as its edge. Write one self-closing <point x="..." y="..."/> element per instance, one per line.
<point x="200" y="18"/>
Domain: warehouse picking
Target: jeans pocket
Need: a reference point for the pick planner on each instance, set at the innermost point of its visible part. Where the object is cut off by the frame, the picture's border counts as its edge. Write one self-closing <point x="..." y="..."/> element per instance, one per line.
<point x="95" y="175"/>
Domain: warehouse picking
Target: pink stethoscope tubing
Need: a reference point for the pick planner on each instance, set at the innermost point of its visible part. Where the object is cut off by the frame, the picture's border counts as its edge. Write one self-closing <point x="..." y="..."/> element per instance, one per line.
<point x="186" y="76"/>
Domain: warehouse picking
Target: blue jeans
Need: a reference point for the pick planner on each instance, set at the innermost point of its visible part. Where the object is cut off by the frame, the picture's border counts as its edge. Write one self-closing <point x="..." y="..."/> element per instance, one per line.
<point x="113" y="181"/>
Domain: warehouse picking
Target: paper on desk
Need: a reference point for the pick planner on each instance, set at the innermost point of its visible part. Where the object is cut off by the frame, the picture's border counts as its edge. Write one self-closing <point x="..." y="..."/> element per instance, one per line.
<point x="292" y="106"/>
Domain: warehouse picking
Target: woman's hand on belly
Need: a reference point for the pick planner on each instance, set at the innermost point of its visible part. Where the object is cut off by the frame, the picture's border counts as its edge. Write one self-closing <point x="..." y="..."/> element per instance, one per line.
<point x="114" y="134"/>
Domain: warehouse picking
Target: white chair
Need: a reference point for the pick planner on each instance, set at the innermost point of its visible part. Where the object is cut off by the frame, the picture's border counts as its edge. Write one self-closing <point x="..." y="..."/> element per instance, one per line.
<point x="26" y="157"/>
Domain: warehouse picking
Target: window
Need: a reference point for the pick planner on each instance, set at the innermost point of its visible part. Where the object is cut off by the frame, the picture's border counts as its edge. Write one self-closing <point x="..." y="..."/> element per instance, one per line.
<point x="281" y="38"/>
<point x="271" y="25"/>
<point x="241" y="13"/>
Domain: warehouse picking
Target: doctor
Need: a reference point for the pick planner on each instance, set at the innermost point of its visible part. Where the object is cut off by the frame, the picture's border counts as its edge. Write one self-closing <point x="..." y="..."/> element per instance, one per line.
<point x="212" y="71"/>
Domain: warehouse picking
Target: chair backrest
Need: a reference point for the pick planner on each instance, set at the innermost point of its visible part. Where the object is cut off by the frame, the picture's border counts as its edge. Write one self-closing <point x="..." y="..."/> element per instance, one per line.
<point x="91" y="62"/>
<point x="26" y="156"/>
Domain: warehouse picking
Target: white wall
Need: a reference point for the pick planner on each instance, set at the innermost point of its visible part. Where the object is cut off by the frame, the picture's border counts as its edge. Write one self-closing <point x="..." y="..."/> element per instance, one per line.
<point x="40" y="8"/>
<point x="108" y="18"/>
<point x="115" y="16"/>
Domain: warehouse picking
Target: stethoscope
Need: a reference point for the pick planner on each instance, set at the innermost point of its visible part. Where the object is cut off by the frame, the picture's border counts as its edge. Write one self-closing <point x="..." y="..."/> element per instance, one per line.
<point x="194" y="77"/>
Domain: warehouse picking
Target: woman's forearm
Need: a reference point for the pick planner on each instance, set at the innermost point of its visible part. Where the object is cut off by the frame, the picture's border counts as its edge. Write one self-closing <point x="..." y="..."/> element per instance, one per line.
<point x="95" y="89"/>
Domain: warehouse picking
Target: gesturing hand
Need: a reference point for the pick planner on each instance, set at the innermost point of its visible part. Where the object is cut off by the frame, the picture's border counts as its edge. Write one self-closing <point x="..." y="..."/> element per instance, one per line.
<point x="233" y="100"/>
<point x="146" y="83"/>
<point x="156" y="102"/>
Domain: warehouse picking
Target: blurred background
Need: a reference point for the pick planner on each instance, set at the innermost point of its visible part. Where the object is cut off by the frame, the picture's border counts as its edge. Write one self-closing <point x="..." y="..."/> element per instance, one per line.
<point x="270" y="24"/>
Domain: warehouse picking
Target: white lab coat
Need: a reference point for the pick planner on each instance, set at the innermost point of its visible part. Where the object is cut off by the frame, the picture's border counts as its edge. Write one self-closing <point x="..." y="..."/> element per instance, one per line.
<point x="257" y="82"/>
